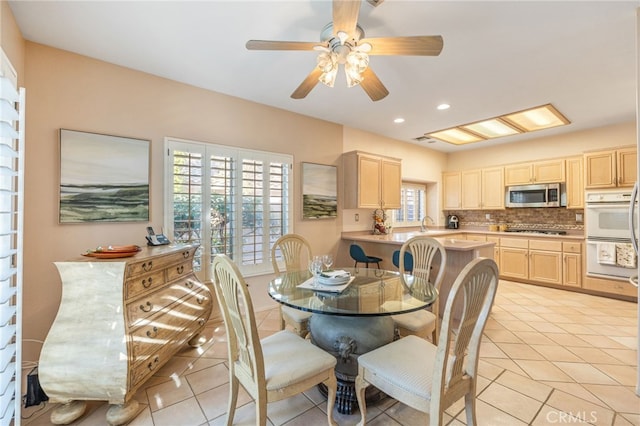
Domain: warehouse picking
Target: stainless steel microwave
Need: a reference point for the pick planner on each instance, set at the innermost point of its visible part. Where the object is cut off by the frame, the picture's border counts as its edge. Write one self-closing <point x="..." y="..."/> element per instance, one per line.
<point x="536" y="195"/>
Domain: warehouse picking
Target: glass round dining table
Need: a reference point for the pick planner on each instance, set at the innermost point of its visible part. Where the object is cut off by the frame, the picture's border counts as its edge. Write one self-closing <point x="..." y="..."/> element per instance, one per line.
<point x="352" y="318"/>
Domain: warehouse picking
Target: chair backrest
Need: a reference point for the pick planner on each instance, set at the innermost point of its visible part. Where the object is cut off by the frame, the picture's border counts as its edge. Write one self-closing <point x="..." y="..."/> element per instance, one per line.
<point x="423" y="249"/>
<point x="456" y="364"/>
<point x="408" y="260"/>
<point x="357" y="253"/>
<point x="295" y="250"/>
<point x="245" y="352"/>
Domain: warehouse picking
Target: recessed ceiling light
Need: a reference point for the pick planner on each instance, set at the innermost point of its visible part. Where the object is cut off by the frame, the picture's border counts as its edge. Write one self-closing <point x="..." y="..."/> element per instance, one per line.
<point x="399" y="120"/>
<point x="442" y="107"/>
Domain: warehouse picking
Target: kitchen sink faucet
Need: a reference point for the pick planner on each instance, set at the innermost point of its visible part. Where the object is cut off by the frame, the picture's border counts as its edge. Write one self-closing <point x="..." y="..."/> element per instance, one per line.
<point x="423" y="226"/>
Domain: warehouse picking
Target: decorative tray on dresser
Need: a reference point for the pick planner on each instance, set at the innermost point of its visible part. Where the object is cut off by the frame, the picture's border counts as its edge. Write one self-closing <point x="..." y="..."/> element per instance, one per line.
<point x="119" y="321"/>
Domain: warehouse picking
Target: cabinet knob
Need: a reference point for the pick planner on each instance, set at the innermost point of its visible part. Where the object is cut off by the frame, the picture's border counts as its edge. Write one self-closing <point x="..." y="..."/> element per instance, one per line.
<point x="147" y="266"/>
<point x="180" y="269"/>
<point x="189" y="284"/>
<point x="153" y="332"/>
<point x="185" y="254"/>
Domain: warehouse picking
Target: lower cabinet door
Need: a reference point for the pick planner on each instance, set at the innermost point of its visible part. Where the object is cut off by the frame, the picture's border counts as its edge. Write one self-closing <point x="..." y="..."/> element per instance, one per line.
<point x="545" y="266"/>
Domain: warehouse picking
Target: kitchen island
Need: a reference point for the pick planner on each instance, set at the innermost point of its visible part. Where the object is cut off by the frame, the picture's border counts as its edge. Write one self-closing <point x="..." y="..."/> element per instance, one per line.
<point x="459" y="251"/>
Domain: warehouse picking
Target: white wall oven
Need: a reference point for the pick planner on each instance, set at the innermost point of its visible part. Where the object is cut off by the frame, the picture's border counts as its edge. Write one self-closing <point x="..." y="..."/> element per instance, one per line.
<point x="610" y="253"/>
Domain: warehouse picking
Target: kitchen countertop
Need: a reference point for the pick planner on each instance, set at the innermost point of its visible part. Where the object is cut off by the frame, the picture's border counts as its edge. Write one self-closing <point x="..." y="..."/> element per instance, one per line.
<point x="400" y="236"/>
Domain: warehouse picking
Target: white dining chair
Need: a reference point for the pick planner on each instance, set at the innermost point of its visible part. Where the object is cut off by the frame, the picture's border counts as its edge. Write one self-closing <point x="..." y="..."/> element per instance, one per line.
<point x="296" y="254"/>
<point x="274" y="368"/>
<point x="423" y="250"/>
<point x="431" y="378"/>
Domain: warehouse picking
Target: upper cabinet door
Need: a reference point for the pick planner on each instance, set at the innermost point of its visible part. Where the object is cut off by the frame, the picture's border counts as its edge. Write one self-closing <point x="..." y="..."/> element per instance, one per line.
<point x="451" y="191"/>
<point x="518" y="174"/>
<point x="627" y="162"/>
<point x="548" y="171"/>
<point x="471" y="192"/>
<point x="493" y="188"/>
<point x="575" y="183"/>
<point x="391" y="184"/>
<point x="369" y="182"/>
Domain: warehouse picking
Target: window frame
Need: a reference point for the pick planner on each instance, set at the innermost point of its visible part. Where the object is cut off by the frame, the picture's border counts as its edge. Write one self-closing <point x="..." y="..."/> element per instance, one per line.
<point x="207" y="150"/>
<point x="404" y="201"/>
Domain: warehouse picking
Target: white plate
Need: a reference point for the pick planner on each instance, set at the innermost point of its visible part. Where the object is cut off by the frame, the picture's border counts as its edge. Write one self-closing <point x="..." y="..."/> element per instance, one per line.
<point x="339" y="280"/>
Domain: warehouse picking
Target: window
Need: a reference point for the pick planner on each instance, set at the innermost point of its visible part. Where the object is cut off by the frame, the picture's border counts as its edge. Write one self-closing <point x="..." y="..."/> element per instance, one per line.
<point x="413" y="205"/>
<point x="229" y="200"/>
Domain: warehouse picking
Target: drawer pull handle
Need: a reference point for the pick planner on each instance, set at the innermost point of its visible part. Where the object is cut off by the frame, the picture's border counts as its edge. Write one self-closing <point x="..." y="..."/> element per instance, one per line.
<point x="153" y="364"/>
<point x="185" y="254"/>
<point x="152" y="333"/>
<point x="180" y="269"/>
<point x="200" y="300"/>
<point x="147" y="307"/>
<point x="147" y="266"/>
<point x="189" y="284"/>
<point x="146" y="283"/>
<point x="201" y="321"/>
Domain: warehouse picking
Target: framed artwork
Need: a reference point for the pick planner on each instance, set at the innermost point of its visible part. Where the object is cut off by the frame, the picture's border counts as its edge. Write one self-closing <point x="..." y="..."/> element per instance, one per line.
<point x="319" y="191"/>
<point x="103" y="178"/>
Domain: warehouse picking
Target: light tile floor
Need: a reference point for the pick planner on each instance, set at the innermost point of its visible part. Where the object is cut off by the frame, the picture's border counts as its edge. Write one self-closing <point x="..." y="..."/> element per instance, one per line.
<point x="549" y="357"/>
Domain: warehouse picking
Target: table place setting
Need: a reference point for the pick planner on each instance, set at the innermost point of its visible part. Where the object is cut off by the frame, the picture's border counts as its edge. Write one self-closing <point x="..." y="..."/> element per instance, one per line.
<point x="334" y="281"/>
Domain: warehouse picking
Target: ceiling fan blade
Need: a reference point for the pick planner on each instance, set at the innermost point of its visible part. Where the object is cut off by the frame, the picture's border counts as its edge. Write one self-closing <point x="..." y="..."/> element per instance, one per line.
<point x="345" y="16"/>
<point x="281" y="45"/>
<point x="412" y="45"/>
<point x="373" y="86"/>
<point x="307" y="84"/>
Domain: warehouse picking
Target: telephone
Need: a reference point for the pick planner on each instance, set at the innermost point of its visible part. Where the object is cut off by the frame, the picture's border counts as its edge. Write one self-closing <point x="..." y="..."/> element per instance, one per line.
<point x="156" y="240"/>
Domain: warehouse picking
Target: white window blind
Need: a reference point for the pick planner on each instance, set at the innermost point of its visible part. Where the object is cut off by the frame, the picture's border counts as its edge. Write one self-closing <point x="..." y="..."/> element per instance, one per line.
<point x="11" y="226"/>
<point x="414" y="205"/>
<point x="229" y="200"/>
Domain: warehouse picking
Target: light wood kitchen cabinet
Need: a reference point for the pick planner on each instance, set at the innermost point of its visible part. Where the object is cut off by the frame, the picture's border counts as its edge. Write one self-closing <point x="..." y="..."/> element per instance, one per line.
<point x="550" y="171"/>
<point x="479" y="189"/>
<point x="572" y="264"/>
<point x="545" y="261"/>
<point x="575" y="183"/>
<point x="496" y="248"/>
<point x="610" y="168"/>
<point x="371" y="181"/>
<point x="471" y="189"/>
<point x="451" y="191"/>
<point x="120" y="321"/>
<point x="514" y="258"/>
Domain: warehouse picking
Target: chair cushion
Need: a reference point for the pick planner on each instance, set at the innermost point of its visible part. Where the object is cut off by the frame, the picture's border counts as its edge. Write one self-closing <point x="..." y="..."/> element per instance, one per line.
<point x="295" y="315"/>
<point x="288" y="359"/>
<point x="416" y="321"/>
<point x="406" y="363"/>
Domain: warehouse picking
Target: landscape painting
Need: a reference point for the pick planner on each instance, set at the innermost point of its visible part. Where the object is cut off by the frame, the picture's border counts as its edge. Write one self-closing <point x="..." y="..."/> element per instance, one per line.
<point x="319" y="191"/>
<point x="103" y="178"/>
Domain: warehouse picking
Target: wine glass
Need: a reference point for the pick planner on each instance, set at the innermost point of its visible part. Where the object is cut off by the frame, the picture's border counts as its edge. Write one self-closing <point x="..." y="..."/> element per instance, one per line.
<point x="327" y="260"/>
<point x="315" y="267"/>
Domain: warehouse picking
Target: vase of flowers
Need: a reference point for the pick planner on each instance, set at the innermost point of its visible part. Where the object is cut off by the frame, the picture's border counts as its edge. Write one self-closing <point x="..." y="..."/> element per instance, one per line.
<point x="380" y="222"/>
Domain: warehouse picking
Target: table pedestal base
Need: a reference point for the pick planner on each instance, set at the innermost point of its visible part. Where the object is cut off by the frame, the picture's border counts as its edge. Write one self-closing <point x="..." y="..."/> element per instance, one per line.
<point x="346" y="338"/>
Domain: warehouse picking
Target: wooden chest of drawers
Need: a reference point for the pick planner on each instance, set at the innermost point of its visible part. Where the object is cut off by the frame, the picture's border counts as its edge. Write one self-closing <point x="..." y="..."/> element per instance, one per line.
<point x="119" y="321"/>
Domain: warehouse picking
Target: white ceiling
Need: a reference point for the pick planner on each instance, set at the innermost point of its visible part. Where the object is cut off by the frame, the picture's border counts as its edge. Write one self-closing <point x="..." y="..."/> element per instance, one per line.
<point x="498" y="56"/>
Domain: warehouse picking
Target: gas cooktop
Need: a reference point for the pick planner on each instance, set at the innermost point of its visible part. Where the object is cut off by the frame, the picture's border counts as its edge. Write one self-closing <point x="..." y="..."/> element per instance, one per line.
<point x="539" y="231"/>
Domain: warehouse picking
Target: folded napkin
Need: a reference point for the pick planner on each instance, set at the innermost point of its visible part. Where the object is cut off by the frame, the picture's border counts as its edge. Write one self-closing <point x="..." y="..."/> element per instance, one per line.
<point x="335" y="274"/>
<point x="310" y="285"/>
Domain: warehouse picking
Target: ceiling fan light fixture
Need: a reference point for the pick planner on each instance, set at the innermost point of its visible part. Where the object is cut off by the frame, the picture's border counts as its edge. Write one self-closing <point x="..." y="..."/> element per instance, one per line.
<point x="329" y="78"/>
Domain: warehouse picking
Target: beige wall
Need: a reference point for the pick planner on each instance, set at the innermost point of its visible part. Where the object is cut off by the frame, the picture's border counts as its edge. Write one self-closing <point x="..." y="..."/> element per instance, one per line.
<point x="11" y="40"/>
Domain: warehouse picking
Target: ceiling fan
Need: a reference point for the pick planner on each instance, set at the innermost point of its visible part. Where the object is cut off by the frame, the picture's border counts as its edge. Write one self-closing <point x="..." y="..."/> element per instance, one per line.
<point x="343" y="43"/>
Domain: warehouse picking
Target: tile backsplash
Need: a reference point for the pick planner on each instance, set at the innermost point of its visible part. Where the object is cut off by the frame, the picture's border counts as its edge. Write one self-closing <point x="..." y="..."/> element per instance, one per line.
<point x="522" y="218"/>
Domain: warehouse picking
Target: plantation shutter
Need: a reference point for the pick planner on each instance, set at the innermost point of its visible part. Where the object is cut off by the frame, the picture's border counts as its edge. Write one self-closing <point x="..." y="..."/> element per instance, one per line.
<point x="11" y="232"/>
